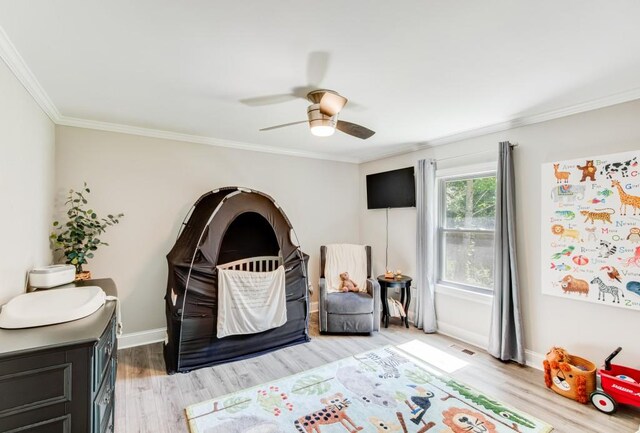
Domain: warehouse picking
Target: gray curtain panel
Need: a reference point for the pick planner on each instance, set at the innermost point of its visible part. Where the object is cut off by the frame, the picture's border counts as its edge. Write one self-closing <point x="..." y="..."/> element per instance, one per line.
<point x="506" y="338"/>
<point x="426" y="245"/>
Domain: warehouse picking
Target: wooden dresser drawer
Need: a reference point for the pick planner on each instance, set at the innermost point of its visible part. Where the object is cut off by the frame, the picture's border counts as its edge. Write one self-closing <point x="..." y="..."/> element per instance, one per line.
<point x="102" y="353"/>
<point x="61" y="424"/>
<point x="41" y="393"/>
<point x="35" y="388"/>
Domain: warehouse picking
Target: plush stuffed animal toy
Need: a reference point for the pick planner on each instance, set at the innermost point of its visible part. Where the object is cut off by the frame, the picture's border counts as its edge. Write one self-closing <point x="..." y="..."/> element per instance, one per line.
<point x="556" y="358"/>
<point x="558" y="372"/>
<point x="347" y="284"/>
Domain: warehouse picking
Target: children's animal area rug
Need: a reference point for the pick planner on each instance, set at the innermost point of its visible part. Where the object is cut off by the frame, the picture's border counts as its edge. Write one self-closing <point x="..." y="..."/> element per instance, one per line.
<point x="378" y="391"/>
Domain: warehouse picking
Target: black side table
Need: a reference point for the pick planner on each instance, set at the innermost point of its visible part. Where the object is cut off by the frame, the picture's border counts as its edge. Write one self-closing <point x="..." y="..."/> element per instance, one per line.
<point x="404" y="284"/>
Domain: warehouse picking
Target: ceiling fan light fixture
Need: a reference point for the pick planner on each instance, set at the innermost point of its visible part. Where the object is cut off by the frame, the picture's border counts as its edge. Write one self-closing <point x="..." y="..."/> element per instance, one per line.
<point x="323" y="118"/>
<point x="321" y="125"/>
<point x="322" y="130"/>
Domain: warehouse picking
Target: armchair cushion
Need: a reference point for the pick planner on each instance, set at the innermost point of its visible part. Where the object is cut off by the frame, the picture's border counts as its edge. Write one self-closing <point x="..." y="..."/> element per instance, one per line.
<point x="345" y="258"/>
<point x="350" y="303"/>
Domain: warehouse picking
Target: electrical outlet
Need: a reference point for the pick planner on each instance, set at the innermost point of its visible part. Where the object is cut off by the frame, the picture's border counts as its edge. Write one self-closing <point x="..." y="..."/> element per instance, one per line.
<point x="396" y="290"/>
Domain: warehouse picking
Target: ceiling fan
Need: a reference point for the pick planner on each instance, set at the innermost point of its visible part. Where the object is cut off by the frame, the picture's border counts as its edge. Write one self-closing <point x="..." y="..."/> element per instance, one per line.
<point x="322" y="116"/>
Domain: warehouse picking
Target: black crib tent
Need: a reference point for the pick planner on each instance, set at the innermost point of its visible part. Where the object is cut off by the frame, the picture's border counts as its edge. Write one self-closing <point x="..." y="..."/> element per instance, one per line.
<point x="248" y="230"/>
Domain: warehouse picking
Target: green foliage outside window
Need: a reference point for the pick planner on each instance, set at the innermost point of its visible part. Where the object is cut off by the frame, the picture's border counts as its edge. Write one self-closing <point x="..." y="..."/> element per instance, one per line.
<point x="469" y="206"/>
<point x="471" y="203"/>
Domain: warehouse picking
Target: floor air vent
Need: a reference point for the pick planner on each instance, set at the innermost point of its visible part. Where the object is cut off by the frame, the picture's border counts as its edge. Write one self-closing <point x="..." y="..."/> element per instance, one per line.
<point x="462" y="349"/>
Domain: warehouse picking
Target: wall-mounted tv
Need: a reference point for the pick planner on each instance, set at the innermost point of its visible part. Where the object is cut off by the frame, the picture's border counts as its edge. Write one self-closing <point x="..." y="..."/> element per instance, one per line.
<point x="396" y="188"/>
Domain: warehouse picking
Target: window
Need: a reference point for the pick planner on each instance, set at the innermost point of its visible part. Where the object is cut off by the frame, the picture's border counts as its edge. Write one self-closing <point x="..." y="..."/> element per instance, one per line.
<point x="466" y="231"/>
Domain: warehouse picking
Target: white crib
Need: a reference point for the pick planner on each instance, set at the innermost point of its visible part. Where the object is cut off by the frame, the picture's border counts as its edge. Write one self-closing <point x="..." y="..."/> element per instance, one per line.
<point x="254" y="264"/>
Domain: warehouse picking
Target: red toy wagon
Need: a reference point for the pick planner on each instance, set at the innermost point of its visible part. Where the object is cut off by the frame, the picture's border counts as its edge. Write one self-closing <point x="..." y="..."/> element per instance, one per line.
<point x="616" y="385"/>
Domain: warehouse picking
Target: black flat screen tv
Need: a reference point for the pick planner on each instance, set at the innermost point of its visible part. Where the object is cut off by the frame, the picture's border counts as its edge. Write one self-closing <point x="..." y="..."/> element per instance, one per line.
<point x="396" y="188"/>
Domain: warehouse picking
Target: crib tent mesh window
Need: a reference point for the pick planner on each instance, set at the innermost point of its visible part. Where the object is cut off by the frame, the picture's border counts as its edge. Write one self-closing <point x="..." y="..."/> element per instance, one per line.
<point x="228" y="225"/>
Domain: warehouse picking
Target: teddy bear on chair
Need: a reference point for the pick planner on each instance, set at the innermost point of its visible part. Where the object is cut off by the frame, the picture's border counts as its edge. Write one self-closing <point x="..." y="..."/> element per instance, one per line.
<point x="347" y="284"/>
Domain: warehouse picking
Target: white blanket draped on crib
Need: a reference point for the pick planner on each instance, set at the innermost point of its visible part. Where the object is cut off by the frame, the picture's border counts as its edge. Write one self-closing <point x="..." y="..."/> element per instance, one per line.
<point x="250" y="302"/>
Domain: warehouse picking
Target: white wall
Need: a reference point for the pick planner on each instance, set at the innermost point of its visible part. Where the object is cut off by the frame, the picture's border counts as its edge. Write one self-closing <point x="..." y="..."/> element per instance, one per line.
<point x="154" y="182"/>
<point x="27" y="146"/>
<point x="584" y="328"/>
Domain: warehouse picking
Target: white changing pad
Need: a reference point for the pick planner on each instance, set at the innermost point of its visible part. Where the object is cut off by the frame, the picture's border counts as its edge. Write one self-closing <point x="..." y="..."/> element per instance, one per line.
<point x="47" y="307"/>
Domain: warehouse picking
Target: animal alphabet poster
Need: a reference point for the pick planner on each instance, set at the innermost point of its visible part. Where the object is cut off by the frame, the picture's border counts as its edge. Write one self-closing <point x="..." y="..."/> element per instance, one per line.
<point x="591" y="229"/>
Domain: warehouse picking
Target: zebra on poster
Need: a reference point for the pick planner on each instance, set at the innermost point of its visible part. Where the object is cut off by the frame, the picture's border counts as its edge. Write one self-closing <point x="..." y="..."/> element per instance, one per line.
<point x="591" y="229"/>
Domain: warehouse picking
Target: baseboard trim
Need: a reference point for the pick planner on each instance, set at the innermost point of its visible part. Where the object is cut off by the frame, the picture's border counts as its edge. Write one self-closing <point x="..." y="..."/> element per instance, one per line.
<point x="534" y="359"/>
<point x="470" y="337"/>
<point x="151" y="336"/>
<point x="141" y="338"/>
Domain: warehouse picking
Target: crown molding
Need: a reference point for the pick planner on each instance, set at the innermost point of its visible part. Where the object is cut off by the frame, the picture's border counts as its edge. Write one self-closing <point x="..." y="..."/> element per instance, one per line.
<point x="397" y="151"/>
<point x="17" y="65"/>
<point x="198" y="139"/>
<point x="607" y="101"/>
<point x="10" y="55"/>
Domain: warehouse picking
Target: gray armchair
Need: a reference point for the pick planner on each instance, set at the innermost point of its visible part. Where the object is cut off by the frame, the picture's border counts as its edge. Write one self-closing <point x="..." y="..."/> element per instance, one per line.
<point x="352" y="312"/>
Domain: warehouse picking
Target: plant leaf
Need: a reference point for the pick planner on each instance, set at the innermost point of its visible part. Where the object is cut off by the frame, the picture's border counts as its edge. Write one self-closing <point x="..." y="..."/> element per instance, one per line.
<point x="77" y="237"/>
<point x="311" y="385"/>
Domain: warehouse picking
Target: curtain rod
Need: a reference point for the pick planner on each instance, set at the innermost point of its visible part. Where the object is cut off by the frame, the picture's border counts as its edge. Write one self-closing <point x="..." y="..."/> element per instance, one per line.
<point x="470" y="154"/>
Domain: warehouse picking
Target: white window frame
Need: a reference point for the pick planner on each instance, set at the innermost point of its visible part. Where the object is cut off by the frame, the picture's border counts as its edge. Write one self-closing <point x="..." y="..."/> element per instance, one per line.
<point x="451" y="287"/>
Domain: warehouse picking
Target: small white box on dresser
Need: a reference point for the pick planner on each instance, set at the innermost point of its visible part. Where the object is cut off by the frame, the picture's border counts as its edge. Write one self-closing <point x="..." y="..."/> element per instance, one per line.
<point x="51" y="276"/>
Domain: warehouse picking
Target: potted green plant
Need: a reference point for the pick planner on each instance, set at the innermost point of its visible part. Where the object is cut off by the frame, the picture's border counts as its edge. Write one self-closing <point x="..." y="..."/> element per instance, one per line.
<point x="78" y="237"/>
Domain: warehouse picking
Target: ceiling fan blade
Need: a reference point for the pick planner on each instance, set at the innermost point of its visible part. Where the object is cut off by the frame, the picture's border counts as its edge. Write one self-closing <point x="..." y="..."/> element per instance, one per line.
<point x="331" y="103"/>
<point x="283" y="125"/>
<point x="354" y="129"/>
<point x="317" y="65"/>
<point x="269" y="99"/>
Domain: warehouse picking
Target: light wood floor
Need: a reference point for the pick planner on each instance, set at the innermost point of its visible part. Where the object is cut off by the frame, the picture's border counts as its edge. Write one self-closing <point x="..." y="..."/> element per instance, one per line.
<point x="149" y="400"/>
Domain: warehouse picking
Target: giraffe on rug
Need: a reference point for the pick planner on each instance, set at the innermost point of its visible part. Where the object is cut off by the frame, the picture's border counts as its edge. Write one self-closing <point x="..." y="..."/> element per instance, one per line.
<point x="626" y="199"/>
<point x="335" y="411"/>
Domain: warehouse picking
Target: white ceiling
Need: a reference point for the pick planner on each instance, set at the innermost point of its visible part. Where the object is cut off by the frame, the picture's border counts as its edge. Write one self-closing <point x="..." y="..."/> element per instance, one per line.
<point x="418" y="70"/>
